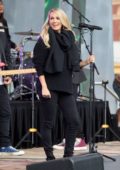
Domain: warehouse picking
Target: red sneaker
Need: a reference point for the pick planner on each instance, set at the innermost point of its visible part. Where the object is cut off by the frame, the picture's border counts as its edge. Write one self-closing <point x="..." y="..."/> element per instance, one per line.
<point x="80" y="144"/>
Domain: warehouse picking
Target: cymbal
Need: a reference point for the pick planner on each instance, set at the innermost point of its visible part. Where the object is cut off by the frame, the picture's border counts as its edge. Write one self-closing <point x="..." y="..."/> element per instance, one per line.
<point x="27" y="33"/>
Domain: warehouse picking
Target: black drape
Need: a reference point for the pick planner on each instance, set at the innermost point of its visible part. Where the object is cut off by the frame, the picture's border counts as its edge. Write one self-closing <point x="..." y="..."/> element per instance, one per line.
<point x="22" y="120"/>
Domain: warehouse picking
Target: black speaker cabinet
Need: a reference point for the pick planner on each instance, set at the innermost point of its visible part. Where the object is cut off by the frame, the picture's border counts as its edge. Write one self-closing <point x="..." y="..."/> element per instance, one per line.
<point x="93" y="161"/>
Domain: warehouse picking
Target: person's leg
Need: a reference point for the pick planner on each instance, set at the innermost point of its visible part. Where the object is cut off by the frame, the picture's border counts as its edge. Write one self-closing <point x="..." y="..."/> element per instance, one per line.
<point x="72" y="122"/>
<point x="49" y="109"/>
<point x="5" y="114"/>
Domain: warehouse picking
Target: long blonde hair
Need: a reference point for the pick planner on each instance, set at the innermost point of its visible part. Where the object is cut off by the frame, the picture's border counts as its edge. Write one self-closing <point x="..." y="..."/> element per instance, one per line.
<point x="64" y="20"/>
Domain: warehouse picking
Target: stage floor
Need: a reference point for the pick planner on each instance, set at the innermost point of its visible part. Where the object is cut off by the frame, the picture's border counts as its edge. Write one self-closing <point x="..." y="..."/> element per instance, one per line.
<point x="33" y="155"/>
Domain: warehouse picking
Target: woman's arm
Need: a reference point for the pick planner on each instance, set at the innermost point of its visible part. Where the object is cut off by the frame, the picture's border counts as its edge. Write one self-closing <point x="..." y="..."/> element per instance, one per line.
<point x="39" y="57"/>
<point x="40" y="54"/>
<point x="45" y="90"/>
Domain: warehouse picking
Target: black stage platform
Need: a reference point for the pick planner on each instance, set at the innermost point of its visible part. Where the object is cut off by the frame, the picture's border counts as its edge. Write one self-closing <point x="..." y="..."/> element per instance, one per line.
<point x="22" y="121"/>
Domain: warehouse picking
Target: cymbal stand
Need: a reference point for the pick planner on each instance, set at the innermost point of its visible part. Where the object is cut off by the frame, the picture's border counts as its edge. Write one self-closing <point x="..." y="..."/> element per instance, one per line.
<point x="21" y="89"/>
<point x="105" y="125"/>
<point x="31" y="130"/>
<point x="92" y="148"/>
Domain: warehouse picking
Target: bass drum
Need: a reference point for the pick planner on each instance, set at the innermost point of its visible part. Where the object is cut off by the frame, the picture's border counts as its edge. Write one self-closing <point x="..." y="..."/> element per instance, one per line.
<point x="26" y="79"/>
<point x="25" y="82"/>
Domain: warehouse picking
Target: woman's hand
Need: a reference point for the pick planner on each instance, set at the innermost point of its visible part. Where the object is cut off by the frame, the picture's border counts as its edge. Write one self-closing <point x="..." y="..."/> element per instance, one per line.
<point x="46" y="92"/>
<point x="90" y="59"/>
<point x="17" y="48"/>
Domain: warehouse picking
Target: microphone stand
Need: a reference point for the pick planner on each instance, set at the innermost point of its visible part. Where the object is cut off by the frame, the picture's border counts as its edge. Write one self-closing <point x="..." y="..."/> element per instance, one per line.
<point x="80" y="14"/>
<point x="92" y="147"/>
<point x="90" y="51"/>
<point x="92" y="66"/>
<point x="91" y="90"/>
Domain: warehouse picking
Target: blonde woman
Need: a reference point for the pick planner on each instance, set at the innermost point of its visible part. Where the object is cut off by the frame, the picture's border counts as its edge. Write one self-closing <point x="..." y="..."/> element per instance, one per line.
<point x="55" y="56"/>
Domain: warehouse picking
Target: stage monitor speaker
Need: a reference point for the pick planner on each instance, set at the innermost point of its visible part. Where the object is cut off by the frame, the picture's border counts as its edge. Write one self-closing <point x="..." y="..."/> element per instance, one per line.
<point x="93" y="161"/>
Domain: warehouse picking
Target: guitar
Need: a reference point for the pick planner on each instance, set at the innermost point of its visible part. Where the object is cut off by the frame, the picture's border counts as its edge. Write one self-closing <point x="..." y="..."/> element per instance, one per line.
<point x="20" y="71"/>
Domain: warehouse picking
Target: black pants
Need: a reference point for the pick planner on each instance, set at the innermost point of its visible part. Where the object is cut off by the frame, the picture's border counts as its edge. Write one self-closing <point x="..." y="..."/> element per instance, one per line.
<point x="71" y="119"/>
<point x="5" y="114"/>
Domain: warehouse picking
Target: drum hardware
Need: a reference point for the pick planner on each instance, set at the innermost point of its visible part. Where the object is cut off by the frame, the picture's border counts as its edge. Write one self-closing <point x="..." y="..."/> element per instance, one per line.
<point x="28" y="33"/>
<point x="31" y="131"/>
<point x="21" y="89"/>
<point x="105" y="126"/>
<point x="30" y="38"/>
<point x="17" y="94"/>
<point x="27" y="54"/>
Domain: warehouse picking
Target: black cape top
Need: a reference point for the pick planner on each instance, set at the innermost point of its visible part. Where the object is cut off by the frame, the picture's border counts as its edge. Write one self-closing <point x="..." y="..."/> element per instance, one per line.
<point x="56" y="81"/>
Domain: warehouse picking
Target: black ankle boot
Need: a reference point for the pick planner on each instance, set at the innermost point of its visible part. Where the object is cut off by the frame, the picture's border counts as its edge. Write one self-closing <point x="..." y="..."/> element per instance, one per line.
<point x="67" y="155"/>
<point x="49" y="155"/>
<point x="50" y="158"/>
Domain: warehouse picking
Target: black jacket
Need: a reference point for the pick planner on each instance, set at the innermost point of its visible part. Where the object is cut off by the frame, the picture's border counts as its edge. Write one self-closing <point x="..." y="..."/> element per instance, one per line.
<point x="56" y="63"/>
<point x="12" y="44"/>
<point x="5" y="51"/>
<point x="51" y="60"/>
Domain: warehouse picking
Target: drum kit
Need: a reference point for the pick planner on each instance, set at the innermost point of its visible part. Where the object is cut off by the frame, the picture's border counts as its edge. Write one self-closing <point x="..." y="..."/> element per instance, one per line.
<point x="24" y="84"/>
